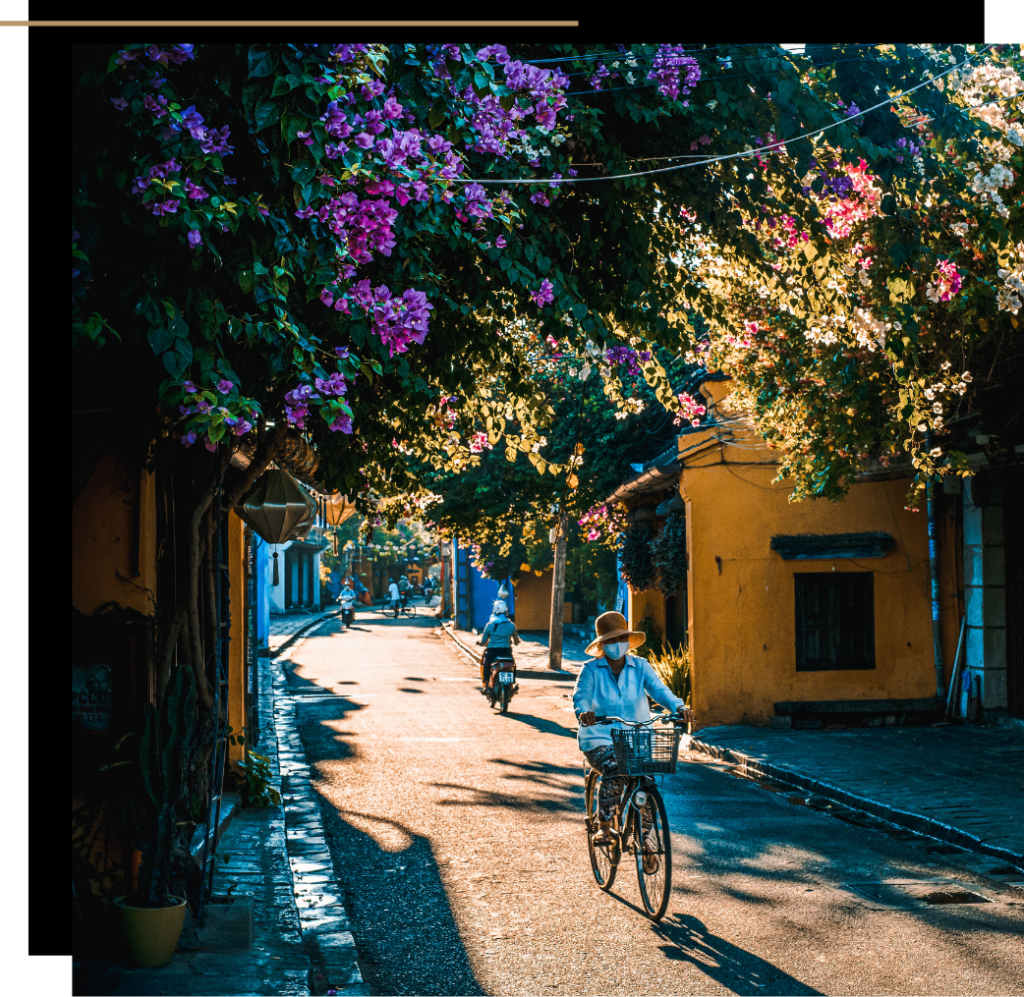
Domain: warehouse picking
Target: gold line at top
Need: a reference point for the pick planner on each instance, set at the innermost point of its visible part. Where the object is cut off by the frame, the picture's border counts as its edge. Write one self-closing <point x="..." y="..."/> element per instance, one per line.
<point x="289" y="24"/>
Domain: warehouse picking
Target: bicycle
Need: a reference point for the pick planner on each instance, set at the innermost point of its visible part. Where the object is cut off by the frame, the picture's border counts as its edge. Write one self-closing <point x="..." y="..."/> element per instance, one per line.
<point x="640" y="755"/>
<point x="402" y="607"/>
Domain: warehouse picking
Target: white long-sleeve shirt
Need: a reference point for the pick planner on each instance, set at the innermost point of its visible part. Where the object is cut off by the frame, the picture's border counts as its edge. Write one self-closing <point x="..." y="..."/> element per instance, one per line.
<point x="599" y="691"/>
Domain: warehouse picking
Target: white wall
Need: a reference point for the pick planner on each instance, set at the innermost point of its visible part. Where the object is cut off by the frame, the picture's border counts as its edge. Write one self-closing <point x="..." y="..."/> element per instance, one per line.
<point x="276" y="592"/>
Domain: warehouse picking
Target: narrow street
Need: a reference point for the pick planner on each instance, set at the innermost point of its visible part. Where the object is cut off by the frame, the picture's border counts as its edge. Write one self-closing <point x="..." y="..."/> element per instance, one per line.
<point x="458" y="835"/>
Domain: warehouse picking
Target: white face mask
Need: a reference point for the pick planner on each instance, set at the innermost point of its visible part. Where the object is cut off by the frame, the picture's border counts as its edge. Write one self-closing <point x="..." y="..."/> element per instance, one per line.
<point x="616" y="651"/>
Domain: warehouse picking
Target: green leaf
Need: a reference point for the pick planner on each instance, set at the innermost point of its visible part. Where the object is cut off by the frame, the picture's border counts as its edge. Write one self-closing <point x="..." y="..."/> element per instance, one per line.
<point x="160" y="339"/>
<point x="261" y="61"/>
<point x="246" y="281"/>
<point x="438" y="113"/>
<point x="292" y="124"/>
<point x="266" y="115"/>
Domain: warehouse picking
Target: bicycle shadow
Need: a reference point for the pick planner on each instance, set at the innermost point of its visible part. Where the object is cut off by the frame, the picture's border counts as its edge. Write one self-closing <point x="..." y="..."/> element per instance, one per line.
<point x="688" y="940"/>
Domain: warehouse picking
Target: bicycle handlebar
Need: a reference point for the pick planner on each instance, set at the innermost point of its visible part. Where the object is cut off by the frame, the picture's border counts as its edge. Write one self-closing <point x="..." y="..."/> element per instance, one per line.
<point x="658" y="717"/>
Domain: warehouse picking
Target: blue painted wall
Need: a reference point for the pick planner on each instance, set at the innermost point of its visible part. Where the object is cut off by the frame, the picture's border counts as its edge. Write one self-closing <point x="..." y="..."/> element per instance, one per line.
<point x="263" y="580"/>
<point x="475" y="594"/>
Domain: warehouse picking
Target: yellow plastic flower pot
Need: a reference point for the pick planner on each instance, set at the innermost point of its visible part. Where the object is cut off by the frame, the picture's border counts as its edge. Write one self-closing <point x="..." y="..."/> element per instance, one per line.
<point x="152" y="933"/>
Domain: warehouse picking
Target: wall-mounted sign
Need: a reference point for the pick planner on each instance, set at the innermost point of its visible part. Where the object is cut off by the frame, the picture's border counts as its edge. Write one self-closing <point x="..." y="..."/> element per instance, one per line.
<point x="90" y="697"/>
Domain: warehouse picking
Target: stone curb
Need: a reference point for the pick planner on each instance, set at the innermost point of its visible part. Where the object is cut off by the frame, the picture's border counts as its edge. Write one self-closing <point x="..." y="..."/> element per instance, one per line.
<point x="526" y="673"/>
<point x="319" y="897"/>
<point x="902" y="818"/>
<point x="229" y="806"/>
<point x="292" y="638"/>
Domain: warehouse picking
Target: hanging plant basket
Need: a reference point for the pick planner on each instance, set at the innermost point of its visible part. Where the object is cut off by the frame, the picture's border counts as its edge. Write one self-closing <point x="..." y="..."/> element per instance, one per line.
<point x="668" y="554"/>
<point x="278" y="508"/>
<point x="637" y="564"/>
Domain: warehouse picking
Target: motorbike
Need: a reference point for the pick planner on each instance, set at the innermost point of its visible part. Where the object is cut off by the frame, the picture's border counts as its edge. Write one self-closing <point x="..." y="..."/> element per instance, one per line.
<point x="503" y="684"/>
<point x="348" y="612"/>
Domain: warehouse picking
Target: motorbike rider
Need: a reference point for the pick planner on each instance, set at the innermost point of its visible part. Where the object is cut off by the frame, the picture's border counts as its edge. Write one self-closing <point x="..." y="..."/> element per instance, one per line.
<point x="404" y="588"/>
<point x="393" y="595"/>
<point x="497" y="641"/>
<point x="347" y="598"/>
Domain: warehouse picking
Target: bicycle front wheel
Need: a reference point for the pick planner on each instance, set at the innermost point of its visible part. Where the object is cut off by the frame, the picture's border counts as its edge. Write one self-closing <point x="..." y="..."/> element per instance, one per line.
<point x="653" y="851"/>
<point x="604" y="859"/>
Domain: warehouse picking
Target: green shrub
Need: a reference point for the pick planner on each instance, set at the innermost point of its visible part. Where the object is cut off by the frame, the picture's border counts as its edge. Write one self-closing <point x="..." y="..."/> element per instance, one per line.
<point x="673" y="667"/>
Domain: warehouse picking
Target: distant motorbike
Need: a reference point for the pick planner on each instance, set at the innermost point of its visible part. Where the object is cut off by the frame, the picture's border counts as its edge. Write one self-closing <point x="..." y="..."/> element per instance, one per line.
<point x="503" y="682"/>
<point x="348" y="612"/>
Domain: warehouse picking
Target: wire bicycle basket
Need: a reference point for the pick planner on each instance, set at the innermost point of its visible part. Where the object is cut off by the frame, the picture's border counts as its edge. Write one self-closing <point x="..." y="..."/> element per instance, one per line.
<point x="643" y="751"/>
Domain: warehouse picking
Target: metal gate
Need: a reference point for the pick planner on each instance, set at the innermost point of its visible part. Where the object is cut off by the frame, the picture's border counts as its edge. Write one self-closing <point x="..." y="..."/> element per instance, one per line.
<point x="1013" y="530"/>
<point x="461" y="586"/>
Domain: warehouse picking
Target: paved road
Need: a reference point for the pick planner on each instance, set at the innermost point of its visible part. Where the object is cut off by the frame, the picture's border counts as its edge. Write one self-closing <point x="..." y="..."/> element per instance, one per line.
<point x="458" y="835"/>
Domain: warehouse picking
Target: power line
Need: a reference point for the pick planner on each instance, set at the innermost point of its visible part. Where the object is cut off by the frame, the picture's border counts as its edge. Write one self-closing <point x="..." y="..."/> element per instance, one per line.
<point x="629" y="54"/>
<point x="969" y="107"/>
<point x="733" y="155"/>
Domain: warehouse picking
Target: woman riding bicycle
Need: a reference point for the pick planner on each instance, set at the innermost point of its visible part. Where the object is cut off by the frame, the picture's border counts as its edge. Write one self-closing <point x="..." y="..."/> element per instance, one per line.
<point x="497" y="639"/>
<point x="615" y="683"/>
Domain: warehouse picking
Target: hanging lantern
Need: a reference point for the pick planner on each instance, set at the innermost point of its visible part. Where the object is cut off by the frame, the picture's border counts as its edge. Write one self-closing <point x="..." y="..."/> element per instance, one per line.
<point x="338" y="508"/>
<point x="278" y="508"/>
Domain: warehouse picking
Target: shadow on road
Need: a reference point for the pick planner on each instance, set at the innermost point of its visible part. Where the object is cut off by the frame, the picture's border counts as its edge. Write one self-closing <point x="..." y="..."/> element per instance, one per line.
<point x="539" y="723"/>
<point x="688" y="940"/>
<point x="539" y="786"/>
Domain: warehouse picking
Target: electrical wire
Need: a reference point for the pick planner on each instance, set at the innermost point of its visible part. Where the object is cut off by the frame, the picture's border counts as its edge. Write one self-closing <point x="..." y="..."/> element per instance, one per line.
<point x="693" y="53"/>
<point x="732" y="155"/>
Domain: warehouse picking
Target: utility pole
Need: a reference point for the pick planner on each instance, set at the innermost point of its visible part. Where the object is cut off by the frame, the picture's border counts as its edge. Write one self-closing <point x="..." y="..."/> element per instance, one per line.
<point x="557" y="594"/>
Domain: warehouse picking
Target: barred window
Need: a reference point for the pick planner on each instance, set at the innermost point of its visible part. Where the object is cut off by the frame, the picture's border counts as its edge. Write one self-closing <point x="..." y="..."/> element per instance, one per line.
<point x="835" y="621"/>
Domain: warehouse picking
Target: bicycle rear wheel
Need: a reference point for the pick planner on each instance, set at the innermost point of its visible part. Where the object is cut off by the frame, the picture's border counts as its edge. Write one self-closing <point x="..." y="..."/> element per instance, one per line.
<point x="604" y="859"/>
<point x="653" y="853"/>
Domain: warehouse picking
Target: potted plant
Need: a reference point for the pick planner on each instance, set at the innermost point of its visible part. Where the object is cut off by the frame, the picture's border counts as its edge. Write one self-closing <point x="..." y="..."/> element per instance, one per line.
<point x="152" y="917"/>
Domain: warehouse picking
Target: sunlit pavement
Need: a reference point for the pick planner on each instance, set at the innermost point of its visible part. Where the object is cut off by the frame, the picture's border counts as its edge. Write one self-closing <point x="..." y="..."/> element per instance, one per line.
<point x="458" y="836"/>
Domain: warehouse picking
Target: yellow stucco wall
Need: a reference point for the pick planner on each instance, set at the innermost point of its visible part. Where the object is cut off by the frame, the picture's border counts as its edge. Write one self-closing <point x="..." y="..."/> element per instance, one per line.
<point x="236" y="647"/>
<point x="742" y="620"/>
<point x="102" y="534"/>
<point x="533" y="602"/>
<point x="649" y="602"/>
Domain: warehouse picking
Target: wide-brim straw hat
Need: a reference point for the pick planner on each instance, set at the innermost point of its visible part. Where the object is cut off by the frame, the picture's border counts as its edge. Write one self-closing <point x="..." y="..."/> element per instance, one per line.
<point x="613" y="625"/>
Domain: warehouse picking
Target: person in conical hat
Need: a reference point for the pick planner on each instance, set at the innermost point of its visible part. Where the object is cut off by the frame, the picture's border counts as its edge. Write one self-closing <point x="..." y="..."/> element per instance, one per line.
<point x="615" y="682"/>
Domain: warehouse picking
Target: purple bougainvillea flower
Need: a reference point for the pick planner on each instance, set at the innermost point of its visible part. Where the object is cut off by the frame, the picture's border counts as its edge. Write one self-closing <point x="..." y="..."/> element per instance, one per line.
<point x="229" y="180"/>
<point x="326" y="297"/>
<point x="188" y="439"/>
<point x="307" y="137"/>
<point x="194" y="238"/>
<point x="193" y="121"/>
<point x="342" y="352"/>
<point x="189" y="387"/>
<point x="364" y="140"/>
<point x="119" y="102"/>
<point x="342" y="423"/>
<point x="209" y="444"/>
<point x="74" y="235"/>
<point x="194" y="191"/>
<point x="224" y="386"/>
<point x="544" y="294"/>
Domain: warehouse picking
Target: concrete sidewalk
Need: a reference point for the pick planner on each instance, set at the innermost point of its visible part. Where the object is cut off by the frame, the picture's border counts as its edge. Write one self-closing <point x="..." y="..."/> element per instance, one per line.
<point x="286" y="629"/>
<point x="251" y="864"/>
<point x="963" y="785"/>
